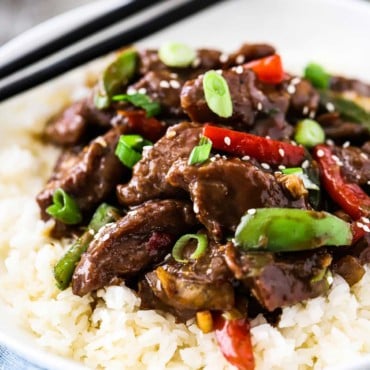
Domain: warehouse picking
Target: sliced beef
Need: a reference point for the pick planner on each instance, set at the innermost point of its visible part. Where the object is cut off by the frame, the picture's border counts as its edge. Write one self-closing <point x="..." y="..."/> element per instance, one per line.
<point x="356" y="164"/>
<point x="149" y="174"/>
<point x="88" y="176"/>
<point x="162" y="86"/>
<point x="201" y="284"/>
<point x="138" y="240"/>
<point x="337" y="129"/>
<point x="224" y="189"/>
<point x="304" y="98"/>
<point x="350" y="268"/>
<point x="341" y="84"/>
<point x="247" y="53"/>
<point x="279" y="281"/>
<point x="79" y="122"/>
<point x="250" y="98"/>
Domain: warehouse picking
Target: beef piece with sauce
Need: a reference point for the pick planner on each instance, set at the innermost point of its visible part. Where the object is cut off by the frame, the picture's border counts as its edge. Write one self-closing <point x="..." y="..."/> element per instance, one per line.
<point x="224" y="189"/>
<point x="355" y="164"/>
<point x="149" y="174"/>
<point x="89" y="176"/>
<point x="247" y="53"/>
<point x="250" y="99"/>
<point x="138" y="240"/>
<point x="342" y="84"/>
<point x="201" y="284"/>
<point x="280" y="280"/>
<point x="79" y="122"/>
<point x="340" y="130"/>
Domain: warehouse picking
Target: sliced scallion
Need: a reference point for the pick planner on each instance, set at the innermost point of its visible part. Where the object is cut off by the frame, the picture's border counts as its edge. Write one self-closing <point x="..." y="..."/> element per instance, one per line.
<point x="142" y="101"/>
<point x="317" y="75"/>
<point x="200" y="153"/>
<point x="217" y="94"/>
<point x="64" y="208"/>
<point x="129" y="149"/>
<point x="202" y="243"/>
<point x="309" y="133"/>
<point x="176" y="54"/>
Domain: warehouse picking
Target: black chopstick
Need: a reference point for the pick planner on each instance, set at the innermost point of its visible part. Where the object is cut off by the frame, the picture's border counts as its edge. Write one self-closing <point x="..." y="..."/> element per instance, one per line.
<point x="126" y="37"/>
<point x="88" y="28"/>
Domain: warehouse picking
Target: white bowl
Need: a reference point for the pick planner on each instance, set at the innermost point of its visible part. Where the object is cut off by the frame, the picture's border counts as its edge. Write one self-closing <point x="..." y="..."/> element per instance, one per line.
<point x="334" y="33"/>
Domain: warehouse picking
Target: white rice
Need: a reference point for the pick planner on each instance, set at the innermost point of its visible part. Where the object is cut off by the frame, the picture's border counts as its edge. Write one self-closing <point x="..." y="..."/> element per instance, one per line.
<point x="117" y="334"/>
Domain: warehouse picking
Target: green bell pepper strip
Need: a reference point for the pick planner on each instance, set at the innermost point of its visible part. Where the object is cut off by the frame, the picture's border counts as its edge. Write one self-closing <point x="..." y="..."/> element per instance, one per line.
<point x="65" y="267"/>
<point x="288" y="230"/>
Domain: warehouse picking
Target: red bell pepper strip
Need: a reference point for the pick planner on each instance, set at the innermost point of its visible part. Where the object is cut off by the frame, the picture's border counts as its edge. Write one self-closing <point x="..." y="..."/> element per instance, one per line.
<point x="265" y="150"/>
<point x="268" y="69"/>
<point x="349" y="196"/>
<point x="139" y="123"/>
<point x="357" y="231"/>
<point x="234" y="340"/>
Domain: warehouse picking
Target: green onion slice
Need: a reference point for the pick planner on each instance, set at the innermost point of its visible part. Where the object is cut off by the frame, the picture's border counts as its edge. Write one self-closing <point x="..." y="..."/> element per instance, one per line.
<point x="309" y="133"/>
<point x="129" y="149"/>
<point x="202" y="243"/>
<point x="217" y="94"/>
<point x="317" y="76"/>
<point x="176" y="54"/>
<point x="142" y="101"/>
<point x="64" y="208"/>
<point x="200" y="153"/>
<point x="298" y="171"/>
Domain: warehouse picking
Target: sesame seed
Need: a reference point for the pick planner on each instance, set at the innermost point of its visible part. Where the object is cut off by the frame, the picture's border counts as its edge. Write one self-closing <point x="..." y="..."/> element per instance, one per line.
<point x="227" y="140"/>
<point x="218" y="156"/>
<point x="291" y="89"/>
<point x="281" y="167"/>
<point x="259" y="106"/>
<point x="105" y="237"/>
<point x="100" y="140"/>
<point x="175" y="84"/>
<point x="305" y="164"/>
<point x="365" y="219"/>
<point x="164" y="84"/>
<point x="368" y="182"/>
<point x="212" y="159"/>
<point x="295" y="81"/>
<point x="281" y="152"/>
<point x="131" y="90"/>
<point x="219" y="71"/>
<point x="195" y="208"/>
<point x="223" y="58"/>
<point x="329" y="142"/>
<point x="346" y="144"/>
<point x="364" y="155"/>
<point x="267" y="137"/>
<point x="266" y="166"/>
<point x="312" y="114"/>
<point x="196" y="63"/>
<point x="224" y="157"/>
<point x="251" y="211"/>
<point x="239" y="70"/>
<point x="170" y="134"/>
<point x="158" y="285"/>
<point x="330" y="107"/>
<point x="337" y="160"/>
<point x="320" y="153"/>
<point x="246" y="158"/>
<point x="366" y="228"/>
<point x="240" y="59"/>
<point x="142" y="90"/>
<point x="305" y="110"/>
<point x="360" y="224"/>
<point x="174" y="75"/>
<point x="329" y="279"/>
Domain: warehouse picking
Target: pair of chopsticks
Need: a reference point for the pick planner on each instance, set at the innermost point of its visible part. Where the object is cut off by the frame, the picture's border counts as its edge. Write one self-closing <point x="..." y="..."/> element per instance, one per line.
<point x="44" y="62"/>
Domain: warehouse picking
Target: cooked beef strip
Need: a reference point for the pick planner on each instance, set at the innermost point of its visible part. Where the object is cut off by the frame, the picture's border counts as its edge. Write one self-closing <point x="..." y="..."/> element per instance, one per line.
<point x="349" y="267"/>
<point x="247" y="53"/>
<point x="201" y="284"/>
<point x="89" y="176"/>
<point x="356" y="164"/>
<point x="149" y="174"/>
<point x="80" y="122"/>
<point x="337" y="129"/>
<point x="224" y="189"/>
<point x="164" y="87"/>
<point x="280" y="280"/>
<point x="341" y="84"/>
<point x="138" y="240"/>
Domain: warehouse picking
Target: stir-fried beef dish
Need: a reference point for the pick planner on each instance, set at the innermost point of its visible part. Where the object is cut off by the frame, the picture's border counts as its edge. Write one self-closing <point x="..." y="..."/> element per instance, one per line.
<point x="216" y="185"/>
